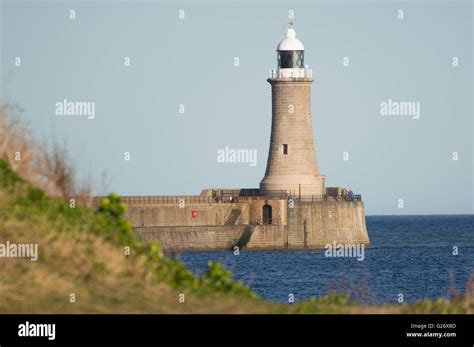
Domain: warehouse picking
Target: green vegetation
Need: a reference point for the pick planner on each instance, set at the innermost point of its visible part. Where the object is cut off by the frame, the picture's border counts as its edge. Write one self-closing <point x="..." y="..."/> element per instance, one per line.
<point x="23" y="203"/>
<point x="331" y="303"/>
<point x="440" y="305"/>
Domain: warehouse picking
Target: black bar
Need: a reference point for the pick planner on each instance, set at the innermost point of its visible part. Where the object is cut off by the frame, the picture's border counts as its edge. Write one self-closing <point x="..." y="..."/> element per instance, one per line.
<point x="228" y="329"/>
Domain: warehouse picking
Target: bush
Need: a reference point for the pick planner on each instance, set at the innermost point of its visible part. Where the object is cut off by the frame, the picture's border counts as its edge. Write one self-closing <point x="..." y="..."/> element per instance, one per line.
<point x="220" y="279"/>
<point x="110" y="221"/>
<point x="8" y="178"/>
<point x="166" y="269"/>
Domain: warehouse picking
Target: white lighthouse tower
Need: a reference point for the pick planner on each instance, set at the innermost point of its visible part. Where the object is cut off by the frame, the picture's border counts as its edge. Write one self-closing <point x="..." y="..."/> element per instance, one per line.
<point x="291" y="165"/>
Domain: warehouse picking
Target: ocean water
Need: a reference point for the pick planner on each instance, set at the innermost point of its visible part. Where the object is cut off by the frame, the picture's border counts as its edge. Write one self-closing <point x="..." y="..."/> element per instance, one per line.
<point x="409" y="255"/>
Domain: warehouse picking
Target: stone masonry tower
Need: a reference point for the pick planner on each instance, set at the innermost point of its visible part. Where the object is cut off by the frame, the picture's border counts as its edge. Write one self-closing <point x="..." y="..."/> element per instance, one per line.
<point x="291" y="165"/>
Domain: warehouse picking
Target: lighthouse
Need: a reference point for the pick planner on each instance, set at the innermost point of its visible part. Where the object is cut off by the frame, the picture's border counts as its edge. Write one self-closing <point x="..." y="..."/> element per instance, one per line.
<point x="263" y="218"/>
<point x="291" y="167"/>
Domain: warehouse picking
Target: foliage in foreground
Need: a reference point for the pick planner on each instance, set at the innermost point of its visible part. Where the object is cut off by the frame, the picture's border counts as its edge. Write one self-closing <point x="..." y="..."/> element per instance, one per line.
<point x="107" y="220"/>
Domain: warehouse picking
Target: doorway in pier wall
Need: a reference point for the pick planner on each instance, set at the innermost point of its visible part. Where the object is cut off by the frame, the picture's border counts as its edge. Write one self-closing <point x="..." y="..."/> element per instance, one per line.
<point x="267" y="214"/>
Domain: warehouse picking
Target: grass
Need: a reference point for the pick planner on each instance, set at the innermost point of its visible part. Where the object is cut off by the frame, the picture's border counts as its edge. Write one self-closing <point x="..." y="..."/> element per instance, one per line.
<point x="92" y="256"/>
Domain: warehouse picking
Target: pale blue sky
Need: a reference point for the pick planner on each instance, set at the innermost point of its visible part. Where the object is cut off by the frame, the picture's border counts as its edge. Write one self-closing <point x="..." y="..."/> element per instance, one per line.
<point x="191" y="61"/>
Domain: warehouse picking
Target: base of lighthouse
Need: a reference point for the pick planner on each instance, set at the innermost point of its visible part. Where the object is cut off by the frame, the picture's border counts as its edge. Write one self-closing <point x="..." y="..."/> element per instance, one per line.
<point x="214" y="222"/>
<point x="293" y="185"/>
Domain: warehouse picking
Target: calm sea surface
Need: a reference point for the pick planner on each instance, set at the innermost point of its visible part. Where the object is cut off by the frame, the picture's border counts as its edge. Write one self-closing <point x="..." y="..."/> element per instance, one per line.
<point x="411" y="255"/>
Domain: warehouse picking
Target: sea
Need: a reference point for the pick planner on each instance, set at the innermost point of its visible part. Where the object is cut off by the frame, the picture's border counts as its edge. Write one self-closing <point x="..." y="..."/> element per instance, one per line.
<point x="410" y="258"/>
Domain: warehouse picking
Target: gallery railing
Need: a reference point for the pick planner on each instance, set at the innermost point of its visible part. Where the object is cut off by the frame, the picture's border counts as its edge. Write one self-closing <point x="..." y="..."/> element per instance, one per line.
<point x="193" y="199"/>
<point x="291" y="73"/>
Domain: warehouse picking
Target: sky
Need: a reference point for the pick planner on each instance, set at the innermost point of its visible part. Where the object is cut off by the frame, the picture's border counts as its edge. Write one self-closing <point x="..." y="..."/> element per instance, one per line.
<point x="183" y="97"/>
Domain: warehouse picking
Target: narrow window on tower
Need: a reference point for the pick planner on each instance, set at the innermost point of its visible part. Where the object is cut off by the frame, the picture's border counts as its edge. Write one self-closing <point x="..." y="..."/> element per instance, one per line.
<point x="285" y="149"/>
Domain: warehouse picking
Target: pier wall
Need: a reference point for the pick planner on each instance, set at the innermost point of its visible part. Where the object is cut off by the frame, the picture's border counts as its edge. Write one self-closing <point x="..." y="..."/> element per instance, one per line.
<point x="314" y="225"/>
<point x="222" y="226"/>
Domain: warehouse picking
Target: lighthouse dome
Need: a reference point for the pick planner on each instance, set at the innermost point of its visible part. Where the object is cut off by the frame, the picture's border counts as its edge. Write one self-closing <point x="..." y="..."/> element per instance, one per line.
<point x="290" y="42"/>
